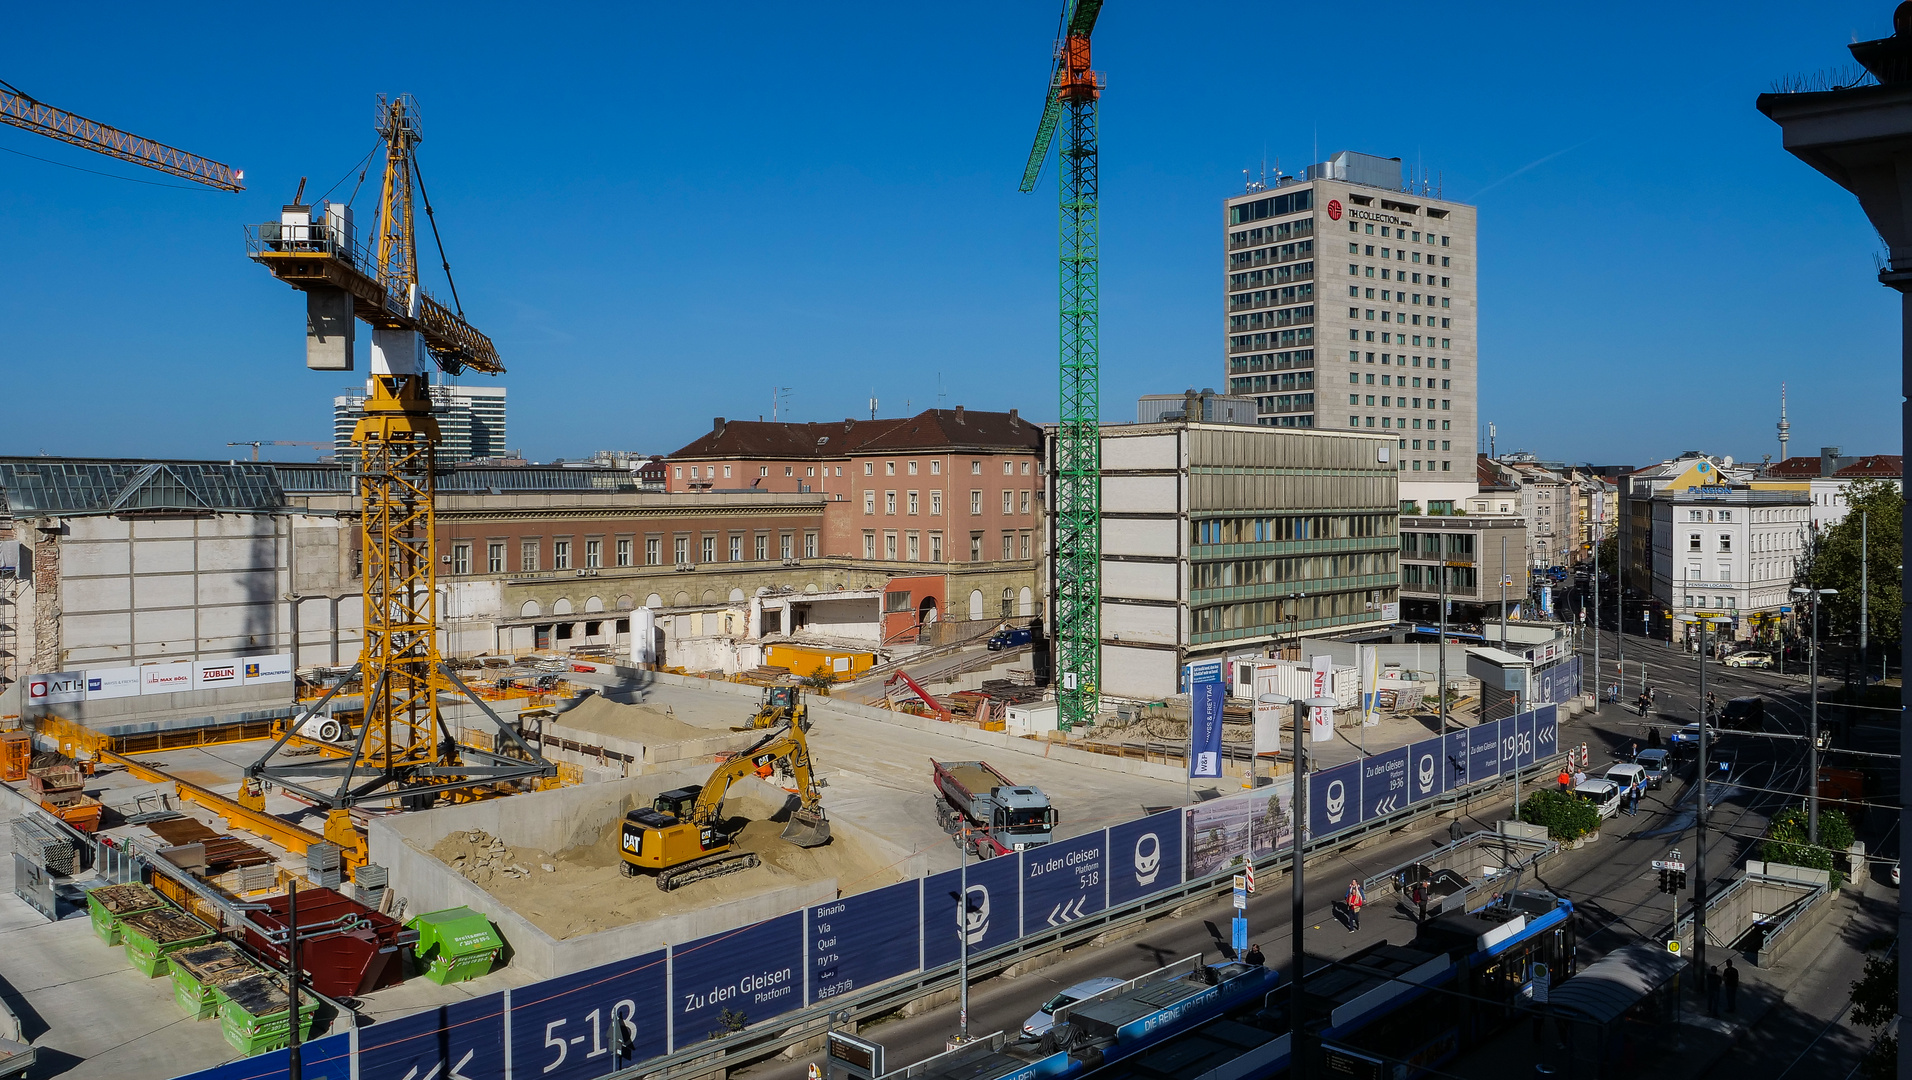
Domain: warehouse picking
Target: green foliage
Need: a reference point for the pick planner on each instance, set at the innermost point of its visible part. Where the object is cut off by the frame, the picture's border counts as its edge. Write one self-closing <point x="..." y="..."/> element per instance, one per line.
<point x="821" y="680"/>
<point x="1567" y="817"/>
<point x="1787" y="839"/>
<point x="1875" y="1000"/>
<point x="1834" y="564"/>
<point x="732" y="1022"/>
<point x="1610" y="553"/>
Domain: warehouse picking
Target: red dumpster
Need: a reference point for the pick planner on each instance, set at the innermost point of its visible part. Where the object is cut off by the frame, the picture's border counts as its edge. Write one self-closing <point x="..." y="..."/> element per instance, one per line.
<point x="345" y="948"/>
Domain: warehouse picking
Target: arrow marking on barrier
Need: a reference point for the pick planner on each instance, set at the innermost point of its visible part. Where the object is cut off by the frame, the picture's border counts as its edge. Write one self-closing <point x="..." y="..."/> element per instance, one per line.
<point x="1388" y="805"/>
<point x="1063" y="913"/>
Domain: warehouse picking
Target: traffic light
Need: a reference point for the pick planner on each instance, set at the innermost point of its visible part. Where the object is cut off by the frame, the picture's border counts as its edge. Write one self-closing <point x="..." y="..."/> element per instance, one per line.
<point x="1666" y="880"/>
<point x="1679" y="880"/>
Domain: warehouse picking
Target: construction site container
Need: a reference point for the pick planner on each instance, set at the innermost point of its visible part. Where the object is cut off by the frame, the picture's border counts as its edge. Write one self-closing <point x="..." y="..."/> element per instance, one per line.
<point x="80" y="810"/>
<point x="54" y="780"/>
<point x="151" y="936"/>
<point x="255" y="1014"/>
<point x="109" y="904"/>
<point x="201" y="973"/>
<point x="345" y="948"/>
<point x="16" y="754"/>
<point x="456" y="944"/>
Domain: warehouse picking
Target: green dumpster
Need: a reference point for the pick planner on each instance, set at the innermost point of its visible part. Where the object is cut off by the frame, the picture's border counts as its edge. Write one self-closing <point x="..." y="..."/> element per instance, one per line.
<point x="110" y="903"/>
<point x="200" y="972"/>
<point x="456" y="944"/>
<point x="254" y="1014"/>
<point x="152" y="935"/>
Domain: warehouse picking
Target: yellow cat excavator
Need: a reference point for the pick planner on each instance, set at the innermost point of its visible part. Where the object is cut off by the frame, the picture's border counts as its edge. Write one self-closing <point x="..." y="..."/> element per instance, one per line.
<point x="680" y="839"/>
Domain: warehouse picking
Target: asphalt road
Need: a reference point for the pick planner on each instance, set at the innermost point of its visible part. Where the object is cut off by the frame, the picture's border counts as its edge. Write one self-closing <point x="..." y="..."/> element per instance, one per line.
<point x="1611" y="881"/>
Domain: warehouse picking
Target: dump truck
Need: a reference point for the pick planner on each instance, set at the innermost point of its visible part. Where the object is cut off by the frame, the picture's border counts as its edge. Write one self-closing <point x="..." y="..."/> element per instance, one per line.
<point x="988" y="812"/>
<point x="680" y="837"/>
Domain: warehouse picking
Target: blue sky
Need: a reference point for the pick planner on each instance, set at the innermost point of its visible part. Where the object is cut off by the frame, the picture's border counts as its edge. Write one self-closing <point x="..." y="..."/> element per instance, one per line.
<point x="662" y="212"/>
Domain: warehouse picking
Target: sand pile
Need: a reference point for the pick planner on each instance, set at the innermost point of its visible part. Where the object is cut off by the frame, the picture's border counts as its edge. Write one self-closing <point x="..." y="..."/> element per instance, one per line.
<point x="648" y="724"/>
<point x="582" y="890"/>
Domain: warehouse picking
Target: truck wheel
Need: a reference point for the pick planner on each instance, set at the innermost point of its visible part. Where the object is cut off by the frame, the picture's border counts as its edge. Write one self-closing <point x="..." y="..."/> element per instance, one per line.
<point x="627" y="869"/>
<point x="985" y="850"/>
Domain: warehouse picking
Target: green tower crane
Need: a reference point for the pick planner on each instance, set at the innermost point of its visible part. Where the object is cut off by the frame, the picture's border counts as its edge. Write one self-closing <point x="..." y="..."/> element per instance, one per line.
<point x="1077" y="561"/>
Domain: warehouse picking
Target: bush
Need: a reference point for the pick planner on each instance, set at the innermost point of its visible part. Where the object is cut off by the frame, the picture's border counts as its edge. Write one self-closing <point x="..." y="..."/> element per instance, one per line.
<point x="1787" y="840"/>
<point x="1567" y="817"/>
<point x="821" y="680"/>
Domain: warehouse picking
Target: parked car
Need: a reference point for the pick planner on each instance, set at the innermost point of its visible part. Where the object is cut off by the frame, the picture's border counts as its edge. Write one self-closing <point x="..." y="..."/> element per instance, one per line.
<point x="1043" y="1019"/>
<point x="1655" y="763"/>
<point x="1687" y="739"/>
<point x="1630" y="776"/>
<point x="1605" y="795"/>
<point x="1751" y="658"/>
<point x="1010" y="638"/>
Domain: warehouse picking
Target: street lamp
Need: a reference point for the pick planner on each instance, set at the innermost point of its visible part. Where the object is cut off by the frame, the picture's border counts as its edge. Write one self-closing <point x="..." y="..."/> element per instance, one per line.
<point x="1298" y="804"/>
<point x="1812" y="725"/>
<point x="1699" y="865"/>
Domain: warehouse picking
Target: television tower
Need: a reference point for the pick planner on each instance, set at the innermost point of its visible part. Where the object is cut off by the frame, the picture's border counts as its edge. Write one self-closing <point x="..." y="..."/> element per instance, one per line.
<point x="1785" y="429"/>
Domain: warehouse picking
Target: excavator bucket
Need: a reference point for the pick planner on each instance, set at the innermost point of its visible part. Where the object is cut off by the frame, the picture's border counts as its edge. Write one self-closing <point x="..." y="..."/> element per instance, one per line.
<point x="807" y="828"/>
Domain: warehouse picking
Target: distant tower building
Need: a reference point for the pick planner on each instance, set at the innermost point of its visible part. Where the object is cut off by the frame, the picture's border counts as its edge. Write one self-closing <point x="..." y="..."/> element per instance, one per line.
<point x="471" y="422"/>
<point x="1785" y="429"/>
<point x="1351" y="304"/>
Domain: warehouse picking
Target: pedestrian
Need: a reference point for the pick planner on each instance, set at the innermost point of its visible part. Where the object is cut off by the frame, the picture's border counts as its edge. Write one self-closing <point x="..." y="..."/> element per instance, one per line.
<point x="1731" y="978"/>
<point x="1712" y="990"/>
<point x="1633" y="753"/>
<point x="1653" y="739"/>
<point x="1356" y="901"/>
<point x="1255" y="957"/>
<point x="1566" y="780"/>
<point x="1420" y="897"/>
<point x="1633" y="800"/>
<point x="1579" y="777"/>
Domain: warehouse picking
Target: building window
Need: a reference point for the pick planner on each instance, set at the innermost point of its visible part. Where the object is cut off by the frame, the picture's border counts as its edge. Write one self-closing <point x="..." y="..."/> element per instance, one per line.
<point x="1023" y="505"/>
<point x="624" y="551"/>
<point x="936" y="467"/>
<point x="1025" y="547"/>
<point x="869" y="547"/>
<point x="461" y="558"/>
<point x="1009" y="606"/>
<point x="975" y="468"/>
<point x="869" y="507"/>
<point x="1008" y="546"/>
<point x="889" y="502"/>
<point x="936" y="547"/>
<point x="653" y="551"/>
<point x="911" y="466"/>
<point x="889" y="546"/>
<point x="1007" y="504"/>
<point x="975" y="547"/>
<point x="810" y="546"/>
<point x="737" y="548"/>
<point x="913" y="547"/>
<point x="679" y="471"/>
<point x="709" y="549"/>
<point x="889" y="468"/>
<point x="680" y="551"/>
<point x="975" y="502"/>
<point x="763" y="470"/>
<point x="912" y="500"/>
<point x="1726" y="541"/>
<point x="494" y="558"/>
<point x="785" y="547"/>
<point x="809" y="470"/>
<point x="763" y="548"/>
<point x="936" y="505"/>
<point x="1692" y="541"/>
<point x="528" y="555"/>
<point x="560" y="554"/>
<point x="869" y="468"/>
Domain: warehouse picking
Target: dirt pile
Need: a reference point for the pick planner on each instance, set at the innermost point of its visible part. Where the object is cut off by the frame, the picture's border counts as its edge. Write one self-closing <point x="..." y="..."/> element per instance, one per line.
<point x="583" y="890"/>
<point x="648" y="724"/>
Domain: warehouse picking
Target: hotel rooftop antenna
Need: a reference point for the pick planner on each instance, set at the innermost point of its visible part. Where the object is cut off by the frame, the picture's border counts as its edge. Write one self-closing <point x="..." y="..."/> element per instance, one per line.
<point x="1785" y="428"/>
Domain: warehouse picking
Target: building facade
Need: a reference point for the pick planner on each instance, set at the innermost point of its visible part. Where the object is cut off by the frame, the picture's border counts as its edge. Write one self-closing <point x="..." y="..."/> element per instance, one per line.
<point x="1225" y="540"/>
<point x="1477" y="551"/>
<point x="1728" y="549"/>
<point x="1351" y="303"/>
<point x="471" y="422"/>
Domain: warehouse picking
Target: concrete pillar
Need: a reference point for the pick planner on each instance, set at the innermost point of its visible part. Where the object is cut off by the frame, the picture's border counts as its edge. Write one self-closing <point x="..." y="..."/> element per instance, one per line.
<point x="329" y="327"/>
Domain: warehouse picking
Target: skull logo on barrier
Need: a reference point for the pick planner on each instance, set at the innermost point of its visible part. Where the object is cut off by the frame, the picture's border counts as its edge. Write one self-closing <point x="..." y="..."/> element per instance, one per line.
<point x="1337" y="800"/>
<point x="1148" y="858"/>
<point x="1426" y="772"/>
<point x="975" y="914"/>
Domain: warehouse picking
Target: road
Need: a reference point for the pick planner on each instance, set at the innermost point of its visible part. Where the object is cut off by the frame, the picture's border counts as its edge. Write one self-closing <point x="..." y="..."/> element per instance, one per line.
<point x="1610" y="881"/>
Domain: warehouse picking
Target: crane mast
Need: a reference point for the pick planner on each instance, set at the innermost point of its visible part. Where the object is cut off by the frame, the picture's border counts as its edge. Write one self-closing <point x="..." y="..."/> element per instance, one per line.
<point x="1074" y="89"/>
<point x="404" y="749"/>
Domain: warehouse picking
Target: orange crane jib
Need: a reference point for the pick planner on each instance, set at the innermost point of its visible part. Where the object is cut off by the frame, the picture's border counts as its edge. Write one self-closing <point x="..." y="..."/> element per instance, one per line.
<point x="24" y="112"/>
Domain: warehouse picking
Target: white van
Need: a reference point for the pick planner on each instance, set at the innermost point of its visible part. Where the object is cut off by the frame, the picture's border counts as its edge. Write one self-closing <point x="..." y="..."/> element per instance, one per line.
<point x="1605" y="795"/>
<point x="1629" y="776"/>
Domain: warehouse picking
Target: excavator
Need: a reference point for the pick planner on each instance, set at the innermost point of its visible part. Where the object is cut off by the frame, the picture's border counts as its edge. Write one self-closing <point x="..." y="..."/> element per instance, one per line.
<point x="680" y="838"/>
<point x="781" y="705"/>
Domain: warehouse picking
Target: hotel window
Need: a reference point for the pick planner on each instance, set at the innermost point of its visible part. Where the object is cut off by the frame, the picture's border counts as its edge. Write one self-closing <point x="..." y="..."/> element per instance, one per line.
<point x="561" y="555"/>
<point x="1726" y="541"/>
<point x="680" y="551"/>
<point x="653" y="551"/>
<point x="1692" y="541"/>
<point x="593" y="554"/>
<point x="624" y="551"/>
<point x="494" y="558"/>
<point x="528" y="555"/>
<point x="461" y="558"/>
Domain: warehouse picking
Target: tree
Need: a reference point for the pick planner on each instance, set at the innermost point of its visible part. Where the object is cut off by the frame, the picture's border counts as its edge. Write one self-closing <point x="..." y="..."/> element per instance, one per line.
<point x="1567" y="817"/>
<point x="1787" y="842"/>
<point x="1835" y="559"/>
<point x="821" y="680"/>
<point x="1875" y="1000"/>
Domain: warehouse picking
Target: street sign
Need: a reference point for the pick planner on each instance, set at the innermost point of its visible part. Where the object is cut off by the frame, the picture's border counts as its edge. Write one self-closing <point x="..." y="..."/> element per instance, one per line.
<point x="1241" y="893"/>
<point x="1668" y="864"/>
<point x="1540" y="984"/>
<point x="1673" y="946"/>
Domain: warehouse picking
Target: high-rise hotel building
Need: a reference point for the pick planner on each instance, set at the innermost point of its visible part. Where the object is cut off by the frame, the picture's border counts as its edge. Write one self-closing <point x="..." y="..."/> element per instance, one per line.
<point x="1352" y="304"/>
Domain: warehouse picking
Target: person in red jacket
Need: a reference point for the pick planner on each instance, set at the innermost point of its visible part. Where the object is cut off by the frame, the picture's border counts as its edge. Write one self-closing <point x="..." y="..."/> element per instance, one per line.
<point x="1356" y="900"/>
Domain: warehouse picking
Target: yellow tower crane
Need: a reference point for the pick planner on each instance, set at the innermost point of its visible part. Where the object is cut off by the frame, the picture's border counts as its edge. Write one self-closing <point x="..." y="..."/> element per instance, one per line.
<point x="404" y="750"/>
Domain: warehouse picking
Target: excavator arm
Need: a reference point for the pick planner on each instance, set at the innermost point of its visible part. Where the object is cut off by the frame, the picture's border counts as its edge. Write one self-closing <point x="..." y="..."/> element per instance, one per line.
<point x="788" y="745"/>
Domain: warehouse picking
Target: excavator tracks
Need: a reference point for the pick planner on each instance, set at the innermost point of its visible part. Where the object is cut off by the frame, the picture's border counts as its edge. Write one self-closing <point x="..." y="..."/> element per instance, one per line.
<point x="710" y="866"/>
